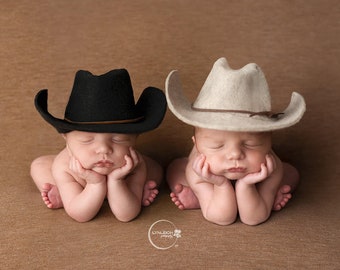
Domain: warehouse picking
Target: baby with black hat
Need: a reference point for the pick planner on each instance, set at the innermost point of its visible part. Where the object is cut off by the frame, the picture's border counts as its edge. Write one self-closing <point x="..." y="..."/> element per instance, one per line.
<point x="100" y="128"/>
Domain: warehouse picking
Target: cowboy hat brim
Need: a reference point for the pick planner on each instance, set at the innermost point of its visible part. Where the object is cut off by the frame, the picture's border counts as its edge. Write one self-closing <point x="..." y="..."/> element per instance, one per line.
<point x="232" y="121"/>
<point x="151" y="105"/>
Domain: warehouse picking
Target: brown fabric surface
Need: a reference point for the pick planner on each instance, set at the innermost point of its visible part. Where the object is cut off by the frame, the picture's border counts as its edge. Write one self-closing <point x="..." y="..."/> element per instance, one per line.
<point x="43" y="44"/>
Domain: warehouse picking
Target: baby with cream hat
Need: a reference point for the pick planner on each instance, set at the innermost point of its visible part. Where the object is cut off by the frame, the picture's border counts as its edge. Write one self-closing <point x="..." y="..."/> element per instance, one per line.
<point x="232" y="169"/>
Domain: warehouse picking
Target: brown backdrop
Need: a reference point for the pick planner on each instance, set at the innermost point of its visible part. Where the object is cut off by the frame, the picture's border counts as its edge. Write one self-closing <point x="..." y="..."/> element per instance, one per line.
<point x="296" y="43"/>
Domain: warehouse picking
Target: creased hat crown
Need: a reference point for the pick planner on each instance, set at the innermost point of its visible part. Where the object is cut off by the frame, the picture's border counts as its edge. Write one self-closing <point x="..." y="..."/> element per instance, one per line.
<point x="228" y="89"/>
<point x="100" y="98"/>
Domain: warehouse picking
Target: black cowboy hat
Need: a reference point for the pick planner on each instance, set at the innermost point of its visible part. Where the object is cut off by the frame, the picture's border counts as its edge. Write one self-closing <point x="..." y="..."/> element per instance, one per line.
<point x="105" y="104"/>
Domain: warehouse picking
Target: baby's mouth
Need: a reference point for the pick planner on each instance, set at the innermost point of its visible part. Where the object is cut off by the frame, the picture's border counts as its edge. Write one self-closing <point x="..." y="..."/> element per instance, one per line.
<point x="236" y="170"/>
<point x="104" y="164"/>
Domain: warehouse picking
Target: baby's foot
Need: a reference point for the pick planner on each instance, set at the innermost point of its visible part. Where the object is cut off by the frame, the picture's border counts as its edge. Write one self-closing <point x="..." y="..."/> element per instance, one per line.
<point x="283" y="195"/>
<point x="51" y="197"/>
<point x="184" y="197"/>
<point x="149" y="193"/>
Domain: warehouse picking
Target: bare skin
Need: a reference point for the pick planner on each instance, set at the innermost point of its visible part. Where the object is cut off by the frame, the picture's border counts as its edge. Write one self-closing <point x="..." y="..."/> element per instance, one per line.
<point x="184" y="198"/>
<point x="95" y="166"/>
<point x="51" y="196"/>
<point x="262" y="179"/>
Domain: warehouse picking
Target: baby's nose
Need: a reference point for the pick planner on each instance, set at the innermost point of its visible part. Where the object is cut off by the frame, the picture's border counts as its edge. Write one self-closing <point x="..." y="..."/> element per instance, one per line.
<point x="104" y="148"/>
<point x="234" y="153"/>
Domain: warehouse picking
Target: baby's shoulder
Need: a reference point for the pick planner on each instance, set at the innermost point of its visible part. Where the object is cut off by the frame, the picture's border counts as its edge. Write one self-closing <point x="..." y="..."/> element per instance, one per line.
<point x="61" y="161"/>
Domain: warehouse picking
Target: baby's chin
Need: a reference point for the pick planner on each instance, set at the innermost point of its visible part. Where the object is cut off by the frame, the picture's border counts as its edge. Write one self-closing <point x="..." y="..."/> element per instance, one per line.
<point x="103" y="171"/>
<point x="233" y="176"/>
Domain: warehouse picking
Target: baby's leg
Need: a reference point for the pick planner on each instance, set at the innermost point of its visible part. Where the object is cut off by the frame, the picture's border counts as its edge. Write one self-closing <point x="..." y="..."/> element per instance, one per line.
<point x="181" y="195"/>
<point x="41" y="171"/>
<point x="289" y="183"/>
<point x="154" y="178"/>
<point x="42" y="176"/>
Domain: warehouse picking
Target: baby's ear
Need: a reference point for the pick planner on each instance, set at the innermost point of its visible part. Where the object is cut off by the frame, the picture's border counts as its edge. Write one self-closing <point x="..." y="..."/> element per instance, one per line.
<point x="68" y="149"/>
<point x="193" y="139"/>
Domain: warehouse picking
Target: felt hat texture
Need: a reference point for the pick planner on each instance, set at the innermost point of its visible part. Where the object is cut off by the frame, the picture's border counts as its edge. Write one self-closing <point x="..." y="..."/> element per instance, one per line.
<point x="105" y="104"/>
<point x="234" y="100"/>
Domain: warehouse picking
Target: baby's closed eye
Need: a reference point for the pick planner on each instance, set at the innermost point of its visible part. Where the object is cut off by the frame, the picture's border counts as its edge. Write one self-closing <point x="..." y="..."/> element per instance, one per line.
<point x="86" y="140"/>
<point x="215" y="146"/>
<point x="121" y="139"/>
<point x="252" y="144"/>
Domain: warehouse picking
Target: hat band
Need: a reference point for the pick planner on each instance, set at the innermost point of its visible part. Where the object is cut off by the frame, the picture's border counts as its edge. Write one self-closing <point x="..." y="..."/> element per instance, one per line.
<point x="268" y="114"/>
<point x="106" y="122"/>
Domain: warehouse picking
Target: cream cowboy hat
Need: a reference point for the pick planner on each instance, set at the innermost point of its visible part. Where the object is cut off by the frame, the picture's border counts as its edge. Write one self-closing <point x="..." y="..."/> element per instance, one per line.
<point x="234" y="100"/>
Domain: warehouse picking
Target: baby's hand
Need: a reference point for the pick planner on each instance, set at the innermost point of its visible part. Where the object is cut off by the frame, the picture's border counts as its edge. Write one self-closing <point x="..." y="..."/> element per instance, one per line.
<point x="201" y="168"/>
<point x="132" y="161"/>
<point x="89" y="176"/>
<point x="264" y="173"/>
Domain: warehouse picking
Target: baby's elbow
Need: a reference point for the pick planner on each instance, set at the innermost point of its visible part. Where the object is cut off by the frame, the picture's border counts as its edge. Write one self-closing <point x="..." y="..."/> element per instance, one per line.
<point x="224" y="222"/>
<point x="125" y="219"/>
<point x="127" y="216"/>
<point x="253" y="221"/>
<point x="221" y="220"/>
<point x="80" y="218"/>
<point x="78" y="215"/>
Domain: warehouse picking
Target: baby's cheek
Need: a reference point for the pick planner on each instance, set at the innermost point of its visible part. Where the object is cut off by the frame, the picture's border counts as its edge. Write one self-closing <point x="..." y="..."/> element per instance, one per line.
<point x="120" y="163"/>
<point x="119" y="159"/>
<point x="255" y="164"/>
<point x="216" y="166"/>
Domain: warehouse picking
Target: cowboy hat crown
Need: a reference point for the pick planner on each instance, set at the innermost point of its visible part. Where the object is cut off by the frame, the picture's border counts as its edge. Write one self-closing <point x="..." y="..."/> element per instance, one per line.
<point x="244" y="89"/>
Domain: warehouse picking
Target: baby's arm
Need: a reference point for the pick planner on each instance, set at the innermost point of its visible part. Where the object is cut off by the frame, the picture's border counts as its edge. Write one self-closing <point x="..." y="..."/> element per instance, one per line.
<point x="125" y="187"/>
<point x="215" y="193"/>
<point x="255" y="192"/>
<point x="81" y="203"/>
